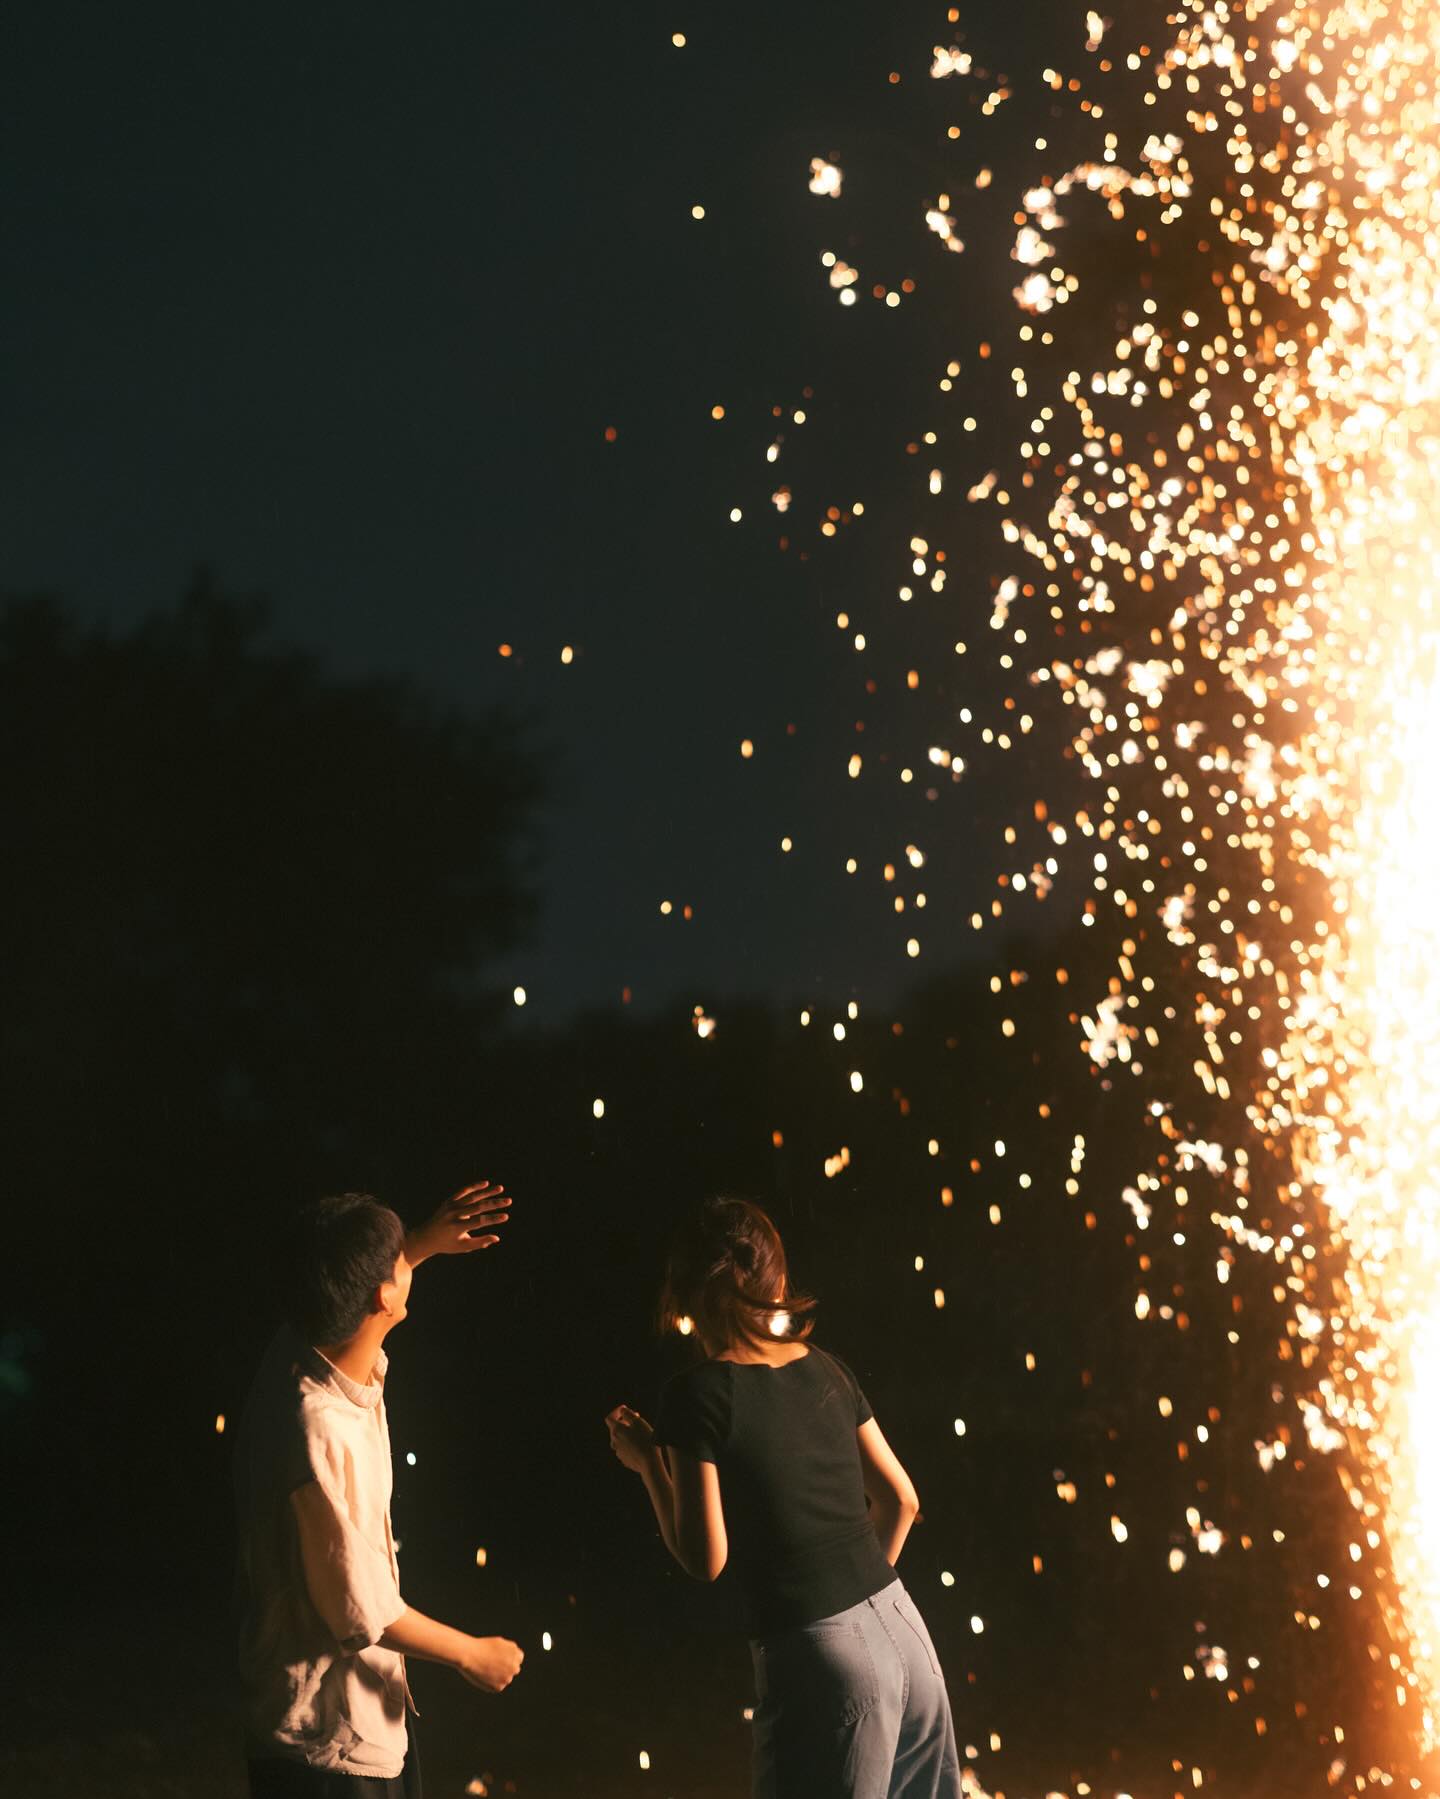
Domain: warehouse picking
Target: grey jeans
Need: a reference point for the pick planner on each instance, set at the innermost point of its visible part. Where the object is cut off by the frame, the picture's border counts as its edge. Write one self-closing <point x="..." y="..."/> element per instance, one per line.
<point x="854" y="1707"/>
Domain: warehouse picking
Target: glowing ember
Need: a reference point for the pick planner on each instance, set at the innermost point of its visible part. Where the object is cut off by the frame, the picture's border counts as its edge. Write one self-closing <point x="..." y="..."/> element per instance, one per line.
<point x="825" y="178"/>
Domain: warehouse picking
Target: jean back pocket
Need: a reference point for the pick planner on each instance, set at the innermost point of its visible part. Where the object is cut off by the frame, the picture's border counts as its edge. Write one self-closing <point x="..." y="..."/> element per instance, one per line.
<point x="824" y="1671"/>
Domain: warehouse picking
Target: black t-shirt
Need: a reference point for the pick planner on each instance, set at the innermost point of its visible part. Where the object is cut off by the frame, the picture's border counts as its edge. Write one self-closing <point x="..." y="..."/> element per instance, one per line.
<point x="801" y="1545"/>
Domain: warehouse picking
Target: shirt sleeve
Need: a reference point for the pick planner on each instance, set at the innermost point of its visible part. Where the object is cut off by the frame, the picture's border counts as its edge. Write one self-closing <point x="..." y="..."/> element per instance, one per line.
<point x="695" y="1413"/>
<point x="863" y="1410"/>
<point x="350" y="1580"/>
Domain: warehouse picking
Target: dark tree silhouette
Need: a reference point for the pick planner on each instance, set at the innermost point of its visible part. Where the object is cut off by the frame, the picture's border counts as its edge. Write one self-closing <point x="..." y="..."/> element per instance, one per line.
<point x="248" y="910"/>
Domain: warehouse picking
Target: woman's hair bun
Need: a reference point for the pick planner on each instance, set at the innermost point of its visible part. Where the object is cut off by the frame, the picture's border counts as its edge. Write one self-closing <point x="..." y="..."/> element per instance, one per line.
<point x="726" y="1278"/>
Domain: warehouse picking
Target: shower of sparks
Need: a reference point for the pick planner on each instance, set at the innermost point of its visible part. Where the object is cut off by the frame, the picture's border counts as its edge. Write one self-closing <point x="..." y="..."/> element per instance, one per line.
<point x="1288" y="514"/>
<point x="1224" y="521"/>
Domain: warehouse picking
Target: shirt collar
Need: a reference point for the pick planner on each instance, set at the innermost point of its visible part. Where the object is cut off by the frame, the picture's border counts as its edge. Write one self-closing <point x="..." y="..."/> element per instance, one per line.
<point x="368" y="1395"/>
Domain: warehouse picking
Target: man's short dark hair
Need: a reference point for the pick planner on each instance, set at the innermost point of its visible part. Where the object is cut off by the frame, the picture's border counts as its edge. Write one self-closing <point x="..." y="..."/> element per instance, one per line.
<point x="336" y="1253"/>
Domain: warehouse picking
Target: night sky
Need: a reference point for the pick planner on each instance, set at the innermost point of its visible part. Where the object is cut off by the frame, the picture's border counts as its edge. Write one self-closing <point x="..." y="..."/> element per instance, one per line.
<point x="344" y="311"/>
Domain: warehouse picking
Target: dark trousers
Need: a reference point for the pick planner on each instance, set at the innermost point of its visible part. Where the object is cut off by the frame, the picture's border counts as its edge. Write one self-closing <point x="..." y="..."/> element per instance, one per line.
<point x="277" y="1779"/>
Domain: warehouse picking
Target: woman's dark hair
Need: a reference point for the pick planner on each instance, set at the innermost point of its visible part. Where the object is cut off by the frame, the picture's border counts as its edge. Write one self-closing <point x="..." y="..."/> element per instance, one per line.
<point x="336" y="1252"/>
<point x="727" y="1275"/>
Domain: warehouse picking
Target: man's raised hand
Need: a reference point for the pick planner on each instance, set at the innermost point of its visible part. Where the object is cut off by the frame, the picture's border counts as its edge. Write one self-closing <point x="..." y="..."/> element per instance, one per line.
<point x="466" y="1222"/>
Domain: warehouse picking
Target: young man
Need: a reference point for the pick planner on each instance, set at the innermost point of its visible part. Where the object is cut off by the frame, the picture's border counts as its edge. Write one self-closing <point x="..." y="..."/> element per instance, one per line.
<point x="323" y="1630"/>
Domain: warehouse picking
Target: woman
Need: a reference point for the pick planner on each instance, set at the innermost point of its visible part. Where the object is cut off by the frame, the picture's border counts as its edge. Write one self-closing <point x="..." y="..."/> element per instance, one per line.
<point x="763" y="1460"/>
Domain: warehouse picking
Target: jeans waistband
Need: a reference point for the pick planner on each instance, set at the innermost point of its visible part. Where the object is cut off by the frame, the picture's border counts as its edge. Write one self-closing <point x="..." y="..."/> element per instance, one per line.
<point x="895" y="1589"/>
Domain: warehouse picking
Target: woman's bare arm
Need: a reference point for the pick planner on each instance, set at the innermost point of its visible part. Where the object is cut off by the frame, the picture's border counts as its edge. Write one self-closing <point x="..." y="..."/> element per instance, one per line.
<point x="655" y="1477"/>
<point x="701" y="1546"/>
<point x="684" y="1493"/>
<point x="894" y="1505"/>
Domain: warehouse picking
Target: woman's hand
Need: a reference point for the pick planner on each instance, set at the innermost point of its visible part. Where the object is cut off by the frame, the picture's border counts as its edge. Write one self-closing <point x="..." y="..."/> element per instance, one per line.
<point x="634" y="1443"/>
<point x="631" y="1438"/>
<point x="462" y="1224"/>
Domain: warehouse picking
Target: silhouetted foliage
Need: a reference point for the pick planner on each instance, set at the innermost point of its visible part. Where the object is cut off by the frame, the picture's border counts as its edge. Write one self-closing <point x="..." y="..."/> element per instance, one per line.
<point x="247" y="910"/>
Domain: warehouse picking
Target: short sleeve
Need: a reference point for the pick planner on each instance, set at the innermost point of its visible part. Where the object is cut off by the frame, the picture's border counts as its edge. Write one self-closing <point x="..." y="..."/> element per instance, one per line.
<point x="863" y="1410"/>
<point x="695" y="1412"/>
<point x="350" y="1580"/>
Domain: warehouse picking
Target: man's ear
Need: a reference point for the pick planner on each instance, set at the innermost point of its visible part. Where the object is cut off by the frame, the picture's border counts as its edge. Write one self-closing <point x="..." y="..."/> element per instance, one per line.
<point x="383" y="1298"/>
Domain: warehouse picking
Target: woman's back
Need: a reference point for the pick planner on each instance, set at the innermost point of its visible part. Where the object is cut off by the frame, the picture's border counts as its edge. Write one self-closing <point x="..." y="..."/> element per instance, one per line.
<point x="772" y="1453"/>
<point x="783" y="1440"/>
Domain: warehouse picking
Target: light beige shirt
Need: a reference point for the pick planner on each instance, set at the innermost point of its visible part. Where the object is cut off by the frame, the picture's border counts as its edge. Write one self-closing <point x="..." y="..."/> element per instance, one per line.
<point x="318" y="1582"/>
